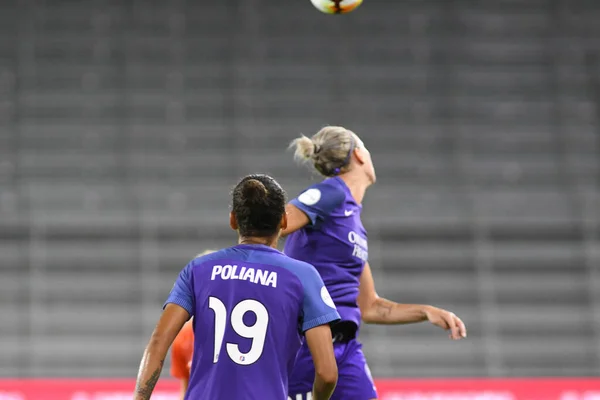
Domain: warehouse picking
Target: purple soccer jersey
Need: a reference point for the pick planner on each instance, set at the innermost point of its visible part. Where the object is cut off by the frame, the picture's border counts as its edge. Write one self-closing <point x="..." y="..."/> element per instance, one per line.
<point x="251" y="305"/>
<point x="335" y="242"/>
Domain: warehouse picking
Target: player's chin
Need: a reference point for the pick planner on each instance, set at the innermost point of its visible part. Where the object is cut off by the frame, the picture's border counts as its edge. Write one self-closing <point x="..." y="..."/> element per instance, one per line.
<point x="373" y="178"/>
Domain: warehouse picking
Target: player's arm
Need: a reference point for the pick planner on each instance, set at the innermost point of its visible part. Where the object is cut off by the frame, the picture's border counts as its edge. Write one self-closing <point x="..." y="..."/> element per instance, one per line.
<point x="296" y="218"/>
<point x="320" y="344"/>
<point x="170" y="323"/>
<point x="314" y="204"/>
<point x="178" y="308"/>
<point x="377" y="310"/>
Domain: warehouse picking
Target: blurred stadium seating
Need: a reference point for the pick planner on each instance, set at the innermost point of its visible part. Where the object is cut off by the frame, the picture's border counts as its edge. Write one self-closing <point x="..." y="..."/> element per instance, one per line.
<point x="123" y="125"/>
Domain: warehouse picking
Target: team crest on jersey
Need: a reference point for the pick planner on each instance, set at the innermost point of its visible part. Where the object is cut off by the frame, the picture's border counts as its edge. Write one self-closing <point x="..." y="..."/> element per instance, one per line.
<point x="310" y="197"/>
<point x="326" y="297"/>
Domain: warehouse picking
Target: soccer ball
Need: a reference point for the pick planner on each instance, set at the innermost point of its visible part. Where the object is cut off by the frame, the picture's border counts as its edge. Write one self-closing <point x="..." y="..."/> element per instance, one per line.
<point x="336" y="6"/>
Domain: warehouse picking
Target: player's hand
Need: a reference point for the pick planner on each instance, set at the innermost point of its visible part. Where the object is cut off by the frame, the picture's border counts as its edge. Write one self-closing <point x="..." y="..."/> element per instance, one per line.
<point x="447" y="321"/>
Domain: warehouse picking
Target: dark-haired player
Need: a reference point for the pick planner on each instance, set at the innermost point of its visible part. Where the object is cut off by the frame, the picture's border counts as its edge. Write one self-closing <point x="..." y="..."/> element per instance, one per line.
<point x="251" y="304"/>
<point x="325" y="230"/>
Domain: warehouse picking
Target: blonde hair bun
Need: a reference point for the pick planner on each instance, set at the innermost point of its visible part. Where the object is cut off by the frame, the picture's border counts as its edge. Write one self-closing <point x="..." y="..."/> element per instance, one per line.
<point x="329" y="150"/>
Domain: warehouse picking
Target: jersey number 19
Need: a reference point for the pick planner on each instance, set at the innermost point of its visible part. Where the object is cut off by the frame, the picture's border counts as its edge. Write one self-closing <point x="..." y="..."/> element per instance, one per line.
<point x="256" y="332"/>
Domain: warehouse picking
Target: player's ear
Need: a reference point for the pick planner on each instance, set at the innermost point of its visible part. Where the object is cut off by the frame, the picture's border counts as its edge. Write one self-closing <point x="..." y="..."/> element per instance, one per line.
<point x="360" y="155"/>
<point x="284" y="222"/>
<point x="233" y="221"/>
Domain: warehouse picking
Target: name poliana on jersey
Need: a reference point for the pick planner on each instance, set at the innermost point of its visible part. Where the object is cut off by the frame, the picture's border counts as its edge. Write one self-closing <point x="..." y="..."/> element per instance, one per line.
<point x="259" y="276"/>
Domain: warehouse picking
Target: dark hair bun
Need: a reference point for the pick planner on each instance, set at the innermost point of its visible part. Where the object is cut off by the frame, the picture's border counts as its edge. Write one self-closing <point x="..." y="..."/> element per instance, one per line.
<point x="258" y="206"/>
<point x="254" y="191"/>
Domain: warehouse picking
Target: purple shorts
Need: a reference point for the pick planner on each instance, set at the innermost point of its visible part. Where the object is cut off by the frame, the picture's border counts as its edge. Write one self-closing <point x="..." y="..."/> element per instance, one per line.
<point x="354" y="378"/>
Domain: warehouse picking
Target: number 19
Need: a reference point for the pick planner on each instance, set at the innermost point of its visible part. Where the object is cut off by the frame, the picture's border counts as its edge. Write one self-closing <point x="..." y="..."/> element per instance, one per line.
<point x="256" y="332"/>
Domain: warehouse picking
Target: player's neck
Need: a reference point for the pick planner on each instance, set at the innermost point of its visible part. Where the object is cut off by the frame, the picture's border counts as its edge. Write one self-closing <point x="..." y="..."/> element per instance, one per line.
<point x="357" y="185"/>
<point x="271" y="242"/>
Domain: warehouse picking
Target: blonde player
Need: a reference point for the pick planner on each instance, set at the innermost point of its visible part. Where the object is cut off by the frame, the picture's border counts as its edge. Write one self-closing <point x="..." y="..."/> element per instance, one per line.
<point x="325" y="230"/>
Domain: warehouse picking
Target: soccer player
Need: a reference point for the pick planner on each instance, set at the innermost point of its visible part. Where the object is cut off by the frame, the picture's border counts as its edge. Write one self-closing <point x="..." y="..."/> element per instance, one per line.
<point x="325" y="230"/>
<point x="183" y="349"/>
<point x="251" y="305"/>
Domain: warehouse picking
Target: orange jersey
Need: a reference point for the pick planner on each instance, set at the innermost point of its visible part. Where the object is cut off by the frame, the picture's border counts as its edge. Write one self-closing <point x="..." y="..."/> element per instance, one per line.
<point x="182" y="352"/>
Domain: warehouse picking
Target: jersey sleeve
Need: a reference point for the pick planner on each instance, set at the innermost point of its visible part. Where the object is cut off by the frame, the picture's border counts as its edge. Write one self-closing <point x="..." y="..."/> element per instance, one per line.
<point x="319" y="201"/>
<point x="318" y="307"/>
<point x="182" y="293"/>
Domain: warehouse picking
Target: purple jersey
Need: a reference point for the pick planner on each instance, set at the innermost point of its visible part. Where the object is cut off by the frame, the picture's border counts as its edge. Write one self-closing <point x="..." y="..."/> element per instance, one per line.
<point x="335" y="242"/>
<point x="251" y="305"/>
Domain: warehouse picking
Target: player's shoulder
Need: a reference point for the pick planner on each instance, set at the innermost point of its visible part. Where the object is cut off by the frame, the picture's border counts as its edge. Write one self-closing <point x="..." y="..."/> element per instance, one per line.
<point x="302" y="270"/>
<point x="328" y="191"/>
<point x="203" y="258"/>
